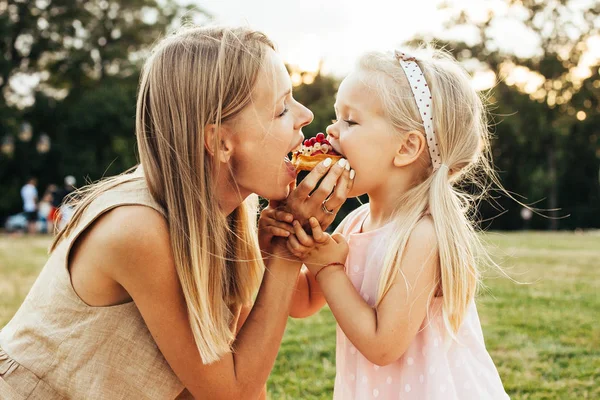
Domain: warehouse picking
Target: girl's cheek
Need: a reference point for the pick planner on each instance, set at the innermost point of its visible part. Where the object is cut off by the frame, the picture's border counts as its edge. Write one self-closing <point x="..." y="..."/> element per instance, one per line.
<point x="345" y="143"/>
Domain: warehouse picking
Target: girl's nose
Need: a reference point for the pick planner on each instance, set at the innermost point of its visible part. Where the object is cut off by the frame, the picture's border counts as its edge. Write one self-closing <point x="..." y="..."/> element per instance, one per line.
<point x="332" y="131"/>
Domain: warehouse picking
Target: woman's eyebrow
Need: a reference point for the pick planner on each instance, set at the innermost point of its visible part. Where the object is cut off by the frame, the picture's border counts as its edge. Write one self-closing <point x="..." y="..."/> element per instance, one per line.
<point x="284" y="95"/>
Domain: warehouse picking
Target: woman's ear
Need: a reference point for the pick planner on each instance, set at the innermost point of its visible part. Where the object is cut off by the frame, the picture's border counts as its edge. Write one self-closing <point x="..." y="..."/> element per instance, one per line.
<point x="410" y="148"/>
<point x="217" y="142"/>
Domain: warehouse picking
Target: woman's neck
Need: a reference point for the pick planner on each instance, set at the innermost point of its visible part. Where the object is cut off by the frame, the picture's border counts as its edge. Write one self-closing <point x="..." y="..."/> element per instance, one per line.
<point x="229" y="195"/>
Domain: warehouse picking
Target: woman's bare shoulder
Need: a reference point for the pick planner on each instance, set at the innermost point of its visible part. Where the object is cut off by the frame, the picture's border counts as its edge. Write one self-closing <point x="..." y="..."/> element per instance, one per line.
<point x="130" y="237"/>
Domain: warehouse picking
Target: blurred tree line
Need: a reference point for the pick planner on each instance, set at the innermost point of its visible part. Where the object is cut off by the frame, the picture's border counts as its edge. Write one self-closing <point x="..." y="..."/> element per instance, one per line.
<point x="85" y="58"/>
<point x="545" y="109"/>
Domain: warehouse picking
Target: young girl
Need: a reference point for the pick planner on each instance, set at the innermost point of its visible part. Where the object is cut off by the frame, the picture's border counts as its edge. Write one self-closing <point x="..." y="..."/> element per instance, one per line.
<point x="400" y="273"/>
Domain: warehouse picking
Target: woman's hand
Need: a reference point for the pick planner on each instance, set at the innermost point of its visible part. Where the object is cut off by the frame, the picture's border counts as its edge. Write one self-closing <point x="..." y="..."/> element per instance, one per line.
<point x="330" y="195"/>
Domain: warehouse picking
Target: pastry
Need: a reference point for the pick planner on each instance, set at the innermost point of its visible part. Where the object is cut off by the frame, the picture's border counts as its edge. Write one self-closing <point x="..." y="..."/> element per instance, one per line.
<point x="312" y="152"/>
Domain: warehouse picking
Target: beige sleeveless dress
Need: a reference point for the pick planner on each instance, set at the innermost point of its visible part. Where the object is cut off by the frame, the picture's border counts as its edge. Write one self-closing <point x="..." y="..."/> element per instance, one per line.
<point x="58" y="347"/>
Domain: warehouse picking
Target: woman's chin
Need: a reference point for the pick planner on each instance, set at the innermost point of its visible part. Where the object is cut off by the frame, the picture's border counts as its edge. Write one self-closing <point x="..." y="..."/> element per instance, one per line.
<point x="281" y="195"/>
<point x="277" y="190"/>
<point x="277" y="195"/>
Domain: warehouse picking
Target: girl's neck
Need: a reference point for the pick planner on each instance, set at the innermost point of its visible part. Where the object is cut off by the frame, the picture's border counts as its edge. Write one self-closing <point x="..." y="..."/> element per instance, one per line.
<point x="383" y="205"/>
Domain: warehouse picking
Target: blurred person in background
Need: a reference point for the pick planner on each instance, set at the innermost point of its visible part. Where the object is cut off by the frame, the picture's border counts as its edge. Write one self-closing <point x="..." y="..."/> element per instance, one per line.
<point x="64" y="211"/>
<point x="53" y="215"/>
<point x="29" y="194"/>
<point x="44" y="213"/>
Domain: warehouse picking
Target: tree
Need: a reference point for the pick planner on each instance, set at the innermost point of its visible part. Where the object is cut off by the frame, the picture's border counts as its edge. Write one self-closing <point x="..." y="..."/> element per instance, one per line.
<point x="319" y="96"/>
<point x="540" y="100"/>
<point x="86" y="56"/>
<point x="72" y="42"/>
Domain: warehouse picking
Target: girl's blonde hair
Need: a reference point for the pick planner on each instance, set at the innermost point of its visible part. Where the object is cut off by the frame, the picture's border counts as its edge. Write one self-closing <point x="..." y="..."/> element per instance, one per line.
<point x="461" y="129"/>
<point x="196" y="77"/>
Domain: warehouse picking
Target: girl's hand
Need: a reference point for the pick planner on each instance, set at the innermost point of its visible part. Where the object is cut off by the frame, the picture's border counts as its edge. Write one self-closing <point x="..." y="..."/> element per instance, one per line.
<point x="301" y="243"/>
<point x="320" y="250"/>
<point x="273" y="223"/>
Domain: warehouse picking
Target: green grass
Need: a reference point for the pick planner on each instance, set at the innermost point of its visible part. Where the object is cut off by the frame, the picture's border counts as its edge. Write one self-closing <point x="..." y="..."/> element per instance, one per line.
<point x="543" y="333"/>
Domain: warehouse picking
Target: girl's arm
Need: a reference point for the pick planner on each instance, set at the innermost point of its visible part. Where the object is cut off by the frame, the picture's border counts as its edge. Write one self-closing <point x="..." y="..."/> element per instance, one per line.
<point x="136" y="253"/>
<point x="308" y="297"/>
<point x="383" y="334"/>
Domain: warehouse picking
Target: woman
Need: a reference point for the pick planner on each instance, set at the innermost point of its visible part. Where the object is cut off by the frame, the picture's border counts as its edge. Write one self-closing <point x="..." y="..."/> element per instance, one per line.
<point x="147" y="292"/>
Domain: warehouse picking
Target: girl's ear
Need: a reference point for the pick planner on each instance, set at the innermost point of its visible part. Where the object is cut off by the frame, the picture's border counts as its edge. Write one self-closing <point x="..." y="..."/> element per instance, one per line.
<point x="217" y="142"/>
<point x="410" y="148"/>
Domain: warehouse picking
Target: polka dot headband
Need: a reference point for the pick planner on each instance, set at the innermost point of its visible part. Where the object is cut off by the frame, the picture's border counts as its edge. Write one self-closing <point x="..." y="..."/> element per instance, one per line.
<point x="422" y="95"/>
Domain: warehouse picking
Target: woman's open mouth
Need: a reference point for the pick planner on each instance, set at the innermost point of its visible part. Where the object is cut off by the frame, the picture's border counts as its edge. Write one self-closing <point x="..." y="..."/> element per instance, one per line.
<point x="288" y="163"/>
<point x="290" y="167"/>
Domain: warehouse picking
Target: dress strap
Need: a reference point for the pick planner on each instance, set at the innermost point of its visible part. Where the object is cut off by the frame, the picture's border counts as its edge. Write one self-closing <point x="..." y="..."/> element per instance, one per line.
<point x="132" y="190"/>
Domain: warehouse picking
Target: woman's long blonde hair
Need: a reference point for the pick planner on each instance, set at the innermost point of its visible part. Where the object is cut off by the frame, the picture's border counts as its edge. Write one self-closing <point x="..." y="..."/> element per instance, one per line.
<point x="461" y="129"/>
<point x="193" y="78"/>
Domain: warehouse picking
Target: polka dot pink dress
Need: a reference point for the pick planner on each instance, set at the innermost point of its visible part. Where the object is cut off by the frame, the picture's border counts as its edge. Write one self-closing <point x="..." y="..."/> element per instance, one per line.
<point x="434" y="366"/>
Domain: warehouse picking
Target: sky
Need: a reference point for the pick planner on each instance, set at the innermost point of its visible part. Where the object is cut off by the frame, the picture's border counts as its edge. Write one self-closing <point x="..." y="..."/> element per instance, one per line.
<point x="306" y="32"/>
<point x="339" y="31"/>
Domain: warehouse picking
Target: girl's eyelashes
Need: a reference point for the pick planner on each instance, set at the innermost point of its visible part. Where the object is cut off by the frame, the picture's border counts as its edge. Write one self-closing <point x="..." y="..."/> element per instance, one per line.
<point x="348" y="121"/>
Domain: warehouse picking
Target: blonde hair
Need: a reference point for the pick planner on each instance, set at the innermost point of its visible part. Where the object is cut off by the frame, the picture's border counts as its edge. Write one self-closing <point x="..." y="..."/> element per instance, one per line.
<point x="195" y="77"/>
<point x="461" y="129"/>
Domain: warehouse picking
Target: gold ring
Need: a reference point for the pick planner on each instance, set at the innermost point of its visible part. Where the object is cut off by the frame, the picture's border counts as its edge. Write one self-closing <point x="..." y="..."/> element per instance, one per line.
<point x="325" y="209"/>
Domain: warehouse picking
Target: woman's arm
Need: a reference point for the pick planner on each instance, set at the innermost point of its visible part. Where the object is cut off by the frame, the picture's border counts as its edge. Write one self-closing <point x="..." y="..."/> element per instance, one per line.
<point x="383" y="334"/>
<point x="137" y="254"/>
<point x="243" y="316"/>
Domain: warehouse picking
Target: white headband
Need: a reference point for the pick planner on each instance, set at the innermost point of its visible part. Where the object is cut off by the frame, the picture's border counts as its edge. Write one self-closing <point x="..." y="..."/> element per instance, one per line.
<point x="422" y="95"/>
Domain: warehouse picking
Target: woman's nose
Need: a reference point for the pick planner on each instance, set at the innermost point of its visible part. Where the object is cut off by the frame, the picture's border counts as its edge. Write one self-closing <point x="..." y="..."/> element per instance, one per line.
<point x="305" y="117"/>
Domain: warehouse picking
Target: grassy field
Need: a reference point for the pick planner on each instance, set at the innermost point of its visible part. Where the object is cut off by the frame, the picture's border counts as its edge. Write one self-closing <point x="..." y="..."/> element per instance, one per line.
<point x="543" y="334"/>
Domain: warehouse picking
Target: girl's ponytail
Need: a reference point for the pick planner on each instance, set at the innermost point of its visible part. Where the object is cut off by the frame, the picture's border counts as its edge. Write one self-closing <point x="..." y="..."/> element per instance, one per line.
<point x="455" y="236"/>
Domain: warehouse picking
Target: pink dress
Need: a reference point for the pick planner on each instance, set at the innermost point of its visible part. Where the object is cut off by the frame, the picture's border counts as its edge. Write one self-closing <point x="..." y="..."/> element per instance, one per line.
<point x="434" y="366"/>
